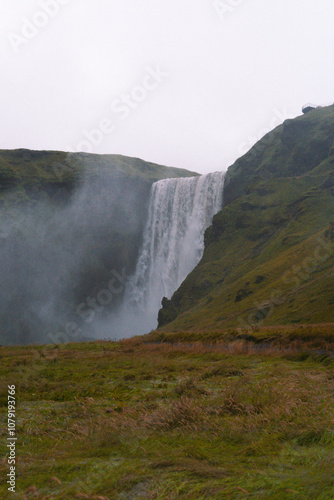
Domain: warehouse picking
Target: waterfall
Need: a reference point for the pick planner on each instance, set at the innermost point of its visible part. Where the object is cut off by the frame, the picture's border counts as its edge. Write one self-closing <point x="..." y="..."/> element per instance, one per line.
<point x="173" y="243"/>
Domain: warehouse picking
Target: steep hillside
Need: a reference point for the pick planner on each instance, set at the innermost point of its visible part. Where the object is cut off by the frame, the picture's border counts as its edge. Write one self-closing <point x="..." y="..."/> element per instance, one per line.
<point x="269" y="253"/>
<point x="69" y="223"/>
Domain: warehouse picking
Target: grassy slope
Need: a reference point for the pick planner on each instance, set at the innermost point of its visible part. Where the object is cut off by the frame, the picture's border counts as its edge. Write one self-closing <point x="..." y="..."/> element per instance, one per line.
<point x="262" y="263"/>
<point x="133" y="420"/>
<point x="28" y="176"/>
<point x="26" y="166"/>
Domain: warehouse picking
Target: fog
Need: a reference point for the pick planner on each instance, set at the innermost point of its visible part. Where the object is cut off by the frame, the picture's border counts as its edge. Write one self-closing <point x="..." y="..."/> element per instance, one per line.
<point x="65" y="257"/>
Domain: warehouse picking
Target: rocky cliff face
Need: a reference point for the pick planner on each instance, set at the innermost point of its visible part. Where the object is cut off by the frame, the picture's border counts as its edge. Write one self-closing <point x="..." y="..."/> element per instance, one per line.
<point x="268" y="255"/>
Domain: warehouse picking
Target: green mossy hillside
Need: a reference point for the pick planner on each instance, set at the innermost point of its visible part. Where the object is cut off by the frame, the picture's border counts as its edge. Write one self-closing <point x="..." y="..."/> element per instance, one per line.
<point x="24" y="166"/>
<point x="269" y="253"/>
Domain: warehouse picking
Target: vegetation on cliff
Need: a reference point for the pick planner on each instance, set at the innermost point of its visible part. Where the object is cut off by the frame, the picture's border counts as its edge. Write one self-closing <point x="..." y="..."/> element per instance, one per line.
<point x="269" y="253"/>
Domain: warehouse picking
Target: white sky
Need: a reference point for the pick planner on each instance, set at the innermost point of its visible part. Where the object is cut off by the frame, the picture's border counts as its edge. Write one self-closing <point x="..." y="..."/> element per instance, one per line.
<point x="228" y="74"/>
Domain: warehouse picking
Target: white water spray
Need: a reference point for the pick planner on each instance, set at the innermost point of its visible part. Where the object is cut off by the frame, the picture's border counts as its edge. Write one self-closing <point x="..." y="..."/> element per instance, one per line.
<point x="179" y="212"/>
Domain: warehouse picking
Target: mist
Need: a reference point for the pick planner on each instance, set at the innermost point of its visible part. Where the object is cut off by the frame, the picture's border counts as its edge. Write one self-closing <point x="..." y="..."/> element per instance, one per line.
<point x="180" y="210"/>
<point x="65" y="256"/>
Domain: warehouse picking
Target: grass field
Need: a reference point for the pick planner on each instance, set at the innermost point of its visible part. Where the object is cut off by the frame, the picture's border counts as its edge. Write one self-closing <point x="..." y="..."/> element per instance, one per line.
<point x="137" y="420"/>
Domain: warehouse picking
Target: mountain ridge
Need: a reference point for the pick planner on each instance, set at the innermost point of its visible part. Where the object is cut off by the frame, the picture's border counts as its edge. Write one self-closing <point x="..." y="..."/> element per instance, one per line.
<point x="277" y="215"/>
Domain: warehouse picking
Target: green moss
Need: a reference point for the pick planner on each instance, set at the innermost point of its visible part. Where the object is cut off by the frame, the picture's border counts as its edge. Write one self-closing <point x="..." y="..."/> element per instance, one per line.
<point x="278" y="203"/>
<point x="43" y="168"/>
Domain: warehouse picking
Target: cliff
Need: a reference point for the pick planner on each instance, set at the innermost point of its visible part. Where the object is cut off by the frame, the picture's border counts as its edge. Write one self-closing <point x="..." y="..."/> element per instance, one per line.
<point x="268" y="256"/>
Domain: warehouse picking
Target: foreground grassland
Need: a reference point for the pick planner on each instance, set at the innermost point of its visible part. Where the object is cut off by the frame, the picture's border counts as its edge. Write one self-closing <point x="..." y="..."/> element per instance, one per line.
<point x="135" y="420"/>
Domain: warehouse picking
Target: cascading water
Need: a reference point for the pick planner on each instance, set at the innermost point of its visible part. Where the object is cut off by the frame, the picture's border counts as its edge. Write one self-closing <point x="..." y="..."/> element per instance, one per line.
<point x="173" y="243"/>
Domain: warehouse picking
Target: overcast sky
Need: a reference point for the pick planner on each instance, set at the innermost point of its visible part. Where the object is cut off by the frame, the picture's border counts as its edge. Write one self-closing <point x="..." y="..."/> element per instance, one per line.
<point x="186" y="83"/>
